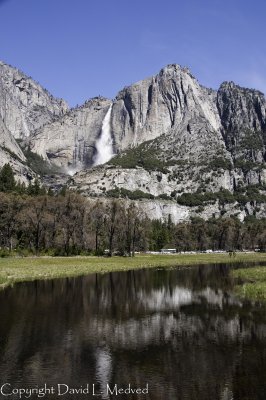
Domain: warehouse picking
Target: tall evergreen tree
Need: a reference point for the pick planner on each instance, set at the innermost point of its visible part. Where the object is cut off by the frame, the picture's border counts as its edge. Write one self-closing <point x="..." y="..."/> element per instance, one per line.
<point x="7" y="179"/>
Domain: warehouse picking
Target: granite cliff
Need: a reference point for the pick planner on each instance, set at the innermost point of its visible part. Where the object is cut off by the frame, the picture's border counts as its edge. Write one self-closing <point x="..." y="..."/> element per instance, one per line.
<point x="144" y="111"/>
<point x="70" y="141"/>
<point x="173" y="108"/>
<point x="24" y="104"/>
<point x="177" y="145"/>
<point x="11" y="153"/>
<point x="176" y="138"/>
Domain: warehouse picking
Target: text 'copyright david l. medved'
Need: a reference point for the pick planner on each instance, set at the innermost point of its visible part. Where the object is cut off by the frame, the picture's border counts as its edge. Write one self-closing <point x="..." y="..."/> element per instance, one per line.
<point x="62" y="389"/>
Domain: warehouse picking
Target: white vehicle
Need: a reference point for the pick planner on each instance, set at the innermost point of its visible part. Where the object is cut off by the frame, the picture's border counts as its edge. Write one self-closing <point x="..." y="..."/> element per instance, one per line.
<point x="168" y="251"/>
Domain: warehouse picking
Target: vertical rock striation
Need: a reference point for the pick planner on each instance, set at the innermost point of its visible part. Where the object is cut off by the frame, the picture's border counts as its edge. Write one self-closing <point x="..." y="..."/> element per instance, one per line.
<point x="243" y="117"/>
<point x="24" y="104"/>
<point x="69" y="142"/>
<point x="157" y="105"/>
<point x="171" y="133"/>
<point x="11" y="153"/>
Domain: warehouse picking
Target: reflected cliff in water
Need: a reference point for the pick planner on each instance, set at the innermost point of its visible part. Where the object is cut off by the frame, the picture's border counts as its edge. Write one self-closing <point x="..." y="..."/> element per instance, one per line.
<point x="182" y="331"/>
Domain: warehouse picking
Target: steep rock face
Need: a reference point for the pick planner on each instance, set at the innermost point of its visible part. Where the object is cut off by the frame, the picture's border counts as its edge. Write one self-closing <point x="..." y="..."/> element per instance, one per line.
<point x="100" y="180"/>
<point x="109" y="181"/>
<point x="202" y="140"/>
<point x="24" y="104"/>
<point x="161" y="209"/>
<point x="171" y="103"/>
<point x="241" y="108"/>
<point x="243" y="116"/>
<point x="167" y="101"/>
<point x="69" y="142"/>
<point x="205" y="141"/>
<point x="11" y="153"/>
<point x="171" y="134"/>
<point x="188" y="121"/>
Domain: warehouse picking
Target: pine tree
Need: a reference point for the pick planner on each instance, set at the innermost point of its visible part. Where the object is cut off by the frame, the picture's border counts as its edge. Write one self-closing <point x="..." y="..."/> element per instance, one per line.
<point x="7" y="179"/>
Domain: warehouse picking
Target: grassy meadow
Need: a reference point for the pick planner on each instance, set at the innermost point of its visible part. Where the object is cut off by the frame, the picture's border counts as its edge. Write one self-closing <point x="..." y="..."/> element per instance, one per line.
<point x="14" y="270"/>
<point x="251" y="282"/>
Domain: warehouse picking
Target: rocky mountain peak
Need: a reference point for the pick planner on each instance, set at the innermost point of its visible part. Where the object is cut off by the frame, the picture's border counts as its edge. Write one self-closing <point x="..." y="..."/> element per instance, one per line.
<point x="24" y="104"/>
<point x="173" y="138"/>
<point x="173" y="69"/>
<point x="160" y="104"/>
<point x="232" y="86"/>
<point x="94" y="101"/>
<point x="241" y="108"/>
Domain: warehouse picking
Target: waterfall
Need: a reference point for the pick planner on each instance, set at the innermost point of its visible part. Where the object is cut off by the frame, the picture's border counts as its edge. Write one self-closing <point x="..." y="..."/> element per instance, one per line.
<point x="104" y="144"/>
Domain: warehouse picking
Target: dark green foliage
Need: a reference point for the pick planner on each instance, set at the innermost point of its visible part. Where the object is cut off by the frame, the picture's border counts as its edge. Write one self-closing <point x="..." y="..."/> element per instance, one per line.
<point x="142" y="156"/>
<point x="115" y="193"/>
<point x="71" y="225"/>
<point x="38" y="164"/>
<point x="11" y="153"/>
<point x="132" y="195"/>
<point x="21" y="188"/>
<point x="8" y="183"/>
<point x="161" y="234"/>
<point x="215" y="234"/>
<point x="251" y="193"/>
<point x="63" y="191"/>
<point x="35" y="189"/>
<point x="173" y="193"/>
<point x="248" y="165"/>
<point x="251" y="140"/>
<point x="225" y="196"/>
<point x="7" y="179"/>
<point x="195" y="199"/>
<point x="164" y="196"/>
<point x="220" y="163"/>
<point x="248" y="194"/>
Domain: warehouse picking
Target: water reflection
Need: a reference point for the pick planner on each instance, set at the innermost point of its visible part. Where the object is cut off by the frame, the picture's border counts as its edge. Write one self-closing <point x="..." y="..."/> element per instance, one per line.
<point x="181" y="330"/>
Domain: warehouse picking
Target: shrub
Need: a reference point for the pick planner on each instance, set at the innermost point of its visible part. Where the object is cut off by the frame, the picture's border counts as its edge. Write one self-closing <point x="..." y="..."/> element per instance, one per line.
<point x="132" y="195"/>
<point x="164" y="196"/>
<point x="38" y="164"/>
<point x="141" y="156"/>
<point x="220" y="163"/>
<point x="249" y="194"/>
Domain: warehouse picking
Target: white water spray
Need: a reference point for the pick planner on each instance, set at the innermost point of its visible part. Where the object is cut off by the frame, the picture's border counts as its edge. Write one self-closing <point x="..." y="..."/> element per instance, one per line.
<point x="104" y="144"/>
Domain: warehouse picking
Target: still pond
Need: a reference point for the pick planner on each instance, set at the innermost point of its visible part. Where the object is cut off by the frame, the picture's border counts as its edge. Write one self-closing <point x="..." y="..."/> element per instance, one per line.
<point x="177" y="333"/>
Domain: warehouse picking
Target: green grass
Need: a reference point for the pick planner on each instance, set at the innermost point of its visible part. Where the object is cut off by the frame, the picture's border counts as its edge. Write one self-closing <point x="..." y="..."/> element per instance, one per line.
<point x="251" y="282"/>
<point x="35" y="268"/>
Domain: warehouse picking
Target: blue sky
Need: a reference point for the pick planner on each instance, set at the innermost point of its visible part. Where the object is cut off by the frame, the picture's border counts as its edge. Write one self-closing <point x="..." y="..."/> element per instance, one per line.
<point x="80" y="49"/>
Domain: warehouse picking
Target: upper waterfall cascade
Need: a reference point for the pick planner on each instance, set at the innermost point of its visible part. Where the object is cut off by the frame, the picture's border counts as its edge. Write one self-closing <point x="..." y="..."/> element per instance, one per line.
<point x="104" y="144"/>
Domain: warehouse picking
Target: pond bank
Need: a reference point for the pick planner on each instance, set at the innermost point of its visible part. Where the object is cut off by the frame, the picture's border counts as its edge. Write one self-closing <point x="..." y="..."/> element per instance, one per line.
<point x="14" y="270"/>
<point x="251" y="282"/>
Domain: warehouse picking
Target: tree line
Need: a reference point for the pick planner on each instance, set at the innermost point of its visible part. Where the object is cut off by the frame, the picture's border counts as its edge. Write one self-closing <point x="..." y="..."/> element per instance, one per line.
<point x="68" y="224"/>
<point x="33" y="221"/>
